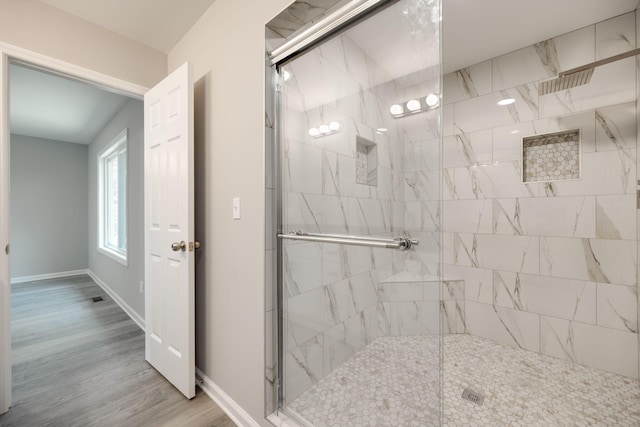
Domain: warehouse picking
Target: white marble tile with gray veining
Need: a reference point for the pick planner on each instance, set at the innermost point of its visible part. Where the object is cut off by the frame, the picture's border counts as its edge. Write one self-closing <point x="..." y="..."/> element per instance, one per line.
<point x="314" y="213"/>
<point x="306" y="317"/>
<point x="603" y="173"/>
<point x="618" y="307"/>
<point x="484" y="112"/>
<point x="347" y="338"/>
<point x="510" y="253"/>
<point x="303" y="267"/>
<point x="602" y="348"/>
<point x="421" y="186"/>
<point x="478" y="282"/>
<point x="616" y="127"/>
<point x="468" y="149"/>
<point x="512" y="327"/>
<point x="304" y="367"/>
<point x="551" y="296"/>
<point x="595" y="260"/>
<point x="414" y="318"/>
<point x="467" y="216"/>
<point x="572" y="216"/>
<point x="615" y="35"/>
<point x="468" y="82"/>
<point x="616" y="217"/>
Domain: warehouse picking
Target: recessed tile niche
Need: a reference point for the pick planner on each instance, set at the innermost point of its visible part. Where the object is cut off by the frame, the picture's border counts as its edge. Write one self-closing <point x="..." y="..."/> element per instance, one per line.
<point x="551" y="157"/>
<point x="366" y="162"/>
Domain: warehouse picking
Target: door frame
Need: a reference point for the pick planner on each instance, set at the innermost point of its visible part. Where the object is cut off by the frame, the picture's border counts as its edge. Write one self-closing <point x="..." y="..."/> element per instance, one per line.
<point x="49" y="64"/>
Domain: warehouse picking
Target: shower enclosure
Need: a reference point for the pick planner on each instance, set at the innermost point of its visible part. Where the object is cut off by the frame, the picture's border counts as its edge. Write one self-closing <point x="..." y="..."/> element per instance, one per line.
<point x="450" y="247"/>
<point x="358" y="238"/>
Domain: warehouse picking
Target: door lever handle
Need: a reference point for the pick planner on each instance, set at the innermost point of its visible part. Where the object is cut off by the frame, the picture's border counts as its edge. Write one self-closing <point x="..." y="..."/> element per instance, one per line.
<point x="182" y="246"/>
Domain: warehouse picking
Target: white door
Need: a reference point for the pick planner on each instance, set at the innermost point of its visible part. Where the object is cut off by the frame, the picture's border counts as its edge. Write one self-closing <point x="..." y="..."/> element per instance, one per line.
<point x="169" y="229"/>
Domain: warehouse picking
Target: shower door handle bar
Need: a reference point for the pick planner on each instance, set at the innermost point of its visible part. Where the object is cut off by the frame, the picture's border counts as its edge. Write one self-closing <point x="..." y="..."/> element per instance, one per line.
<point x="401" y="243"/>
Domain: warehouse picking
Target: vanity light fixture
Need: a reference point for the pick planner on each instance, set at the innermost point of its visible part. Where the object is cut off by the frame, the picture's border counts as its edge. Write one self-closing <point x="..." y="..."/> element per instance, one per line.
<point x="506" y="101"/>
<point x="325" y="129"/>
<point x="413" y="106"/>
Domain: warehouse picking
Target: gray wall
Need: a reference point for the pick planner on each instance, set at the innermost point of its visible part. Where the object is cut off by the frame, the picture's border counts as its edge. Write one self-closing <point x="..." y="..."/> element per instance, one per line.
<point x="48" y="206"/>
<point x="124" y="281"/>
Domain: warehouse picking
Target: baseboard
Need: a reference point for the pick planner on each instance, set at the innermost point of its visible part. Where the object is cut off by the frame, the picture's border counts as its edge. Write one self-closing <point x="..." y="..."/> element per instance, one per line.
<point x="48" y="276"/>
<point x="225" y="402"/>
<point x="123" y="305"/>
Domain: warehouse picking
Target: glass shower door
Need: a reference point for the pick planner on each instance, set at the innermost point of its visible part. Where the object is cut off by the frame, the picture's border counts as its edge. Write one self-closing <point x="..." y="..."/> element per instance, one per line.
<point x="360" y="244"/>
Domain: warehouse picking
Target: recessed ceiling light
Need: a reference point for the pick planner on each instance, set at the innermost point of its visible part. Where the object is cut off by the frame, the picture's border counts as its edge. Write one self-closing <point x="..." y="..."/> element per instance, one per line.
<point x="506" y="101"/>
<point x="413" y="105"/>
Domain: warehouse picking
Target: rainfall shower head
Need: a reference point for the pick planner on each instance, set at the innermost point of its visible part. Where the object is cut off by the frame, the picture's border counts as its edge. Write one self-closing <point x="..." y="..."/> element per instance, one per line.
<point x="579" y="76"/>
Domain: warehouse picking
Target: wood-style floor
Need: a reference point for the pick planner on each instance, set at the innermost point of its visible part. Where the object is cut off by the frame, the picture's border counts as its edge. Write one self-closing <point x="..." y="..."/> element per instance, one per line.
<point x="80" y="363"/>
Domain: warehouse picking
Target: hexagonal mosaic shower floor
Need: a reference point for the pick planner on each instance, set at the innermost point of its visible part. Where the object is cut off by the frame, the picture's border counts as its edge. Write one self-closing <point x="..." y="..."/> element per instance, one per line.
<point x="394" y="382"/>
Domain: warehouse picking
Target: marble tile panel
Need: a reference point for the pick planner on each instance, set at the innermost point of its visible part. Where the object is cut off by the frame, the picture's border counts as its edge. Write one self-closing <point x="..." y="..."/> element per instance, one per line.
<point x="478" y="282"/>
<point x="509" y="253"/>
<point x="507" y="141"/>
<point x="603" y="173"/>
<point x="468" y="82"/>
<point x="467" y="216"/>
<point x="452" y="289"/>
<point x="616" y="217"/>
<point x="572" y="216"/>
<point x="448" y="248"/>
<point x="615" y="35"/>
<point x="595" y="260"/>
<point x="550" y="296"/>
<point x="414" y="318"/>
<point x="369" y="217"/>
<point x="306" y="316"/>
<point x="304" y="367"/>
<point x="428" y="250"/>
<point x="467" y="149"/>
<point x="484" y="112"/>
<point x="344" y="340"/>
<point x="543" y="60"/>
<point x="500" y="180"/>
<point x="602" y="348"/>
<point x="401" y="291"/>
<point x="299" y="14"/>
<point x="429" y="154"/>
<point x="302" y="168"/>
<point x="341" y="301"/>
<point x="616" y="127"/>
<point x="421" y="127"/>
<point x="447" y="120"/>
<point x="453" y="317"/>
<point x="303" y="267"/>
<point x="364" y="292"/>
<point x="585" y="121"/>
<point x="618" y="307"/>
<point x="421" y="186"/>
<point x="315" y="213"/>
<point x="511" y="327"/>
<point x="611" y="84"/>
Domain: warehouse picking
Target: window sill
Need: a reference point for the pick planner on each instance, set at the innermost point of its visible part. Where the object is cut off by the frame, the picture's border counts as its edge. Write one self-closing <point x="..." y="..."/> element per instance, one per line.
<point x="122" y="259"/>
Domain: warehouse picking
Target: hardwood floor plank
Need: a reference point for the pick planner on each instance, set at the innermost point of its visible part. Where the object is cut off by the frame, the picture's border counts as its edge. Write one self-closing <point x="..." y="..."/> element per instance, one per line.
<point x="80" y="363"/>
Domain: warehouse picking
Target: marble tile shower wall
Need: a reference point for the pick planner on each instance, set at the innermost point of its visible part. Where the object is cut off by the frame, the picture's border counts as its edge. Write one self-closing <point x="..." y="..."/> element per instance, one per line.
<point x="550" y="267"/>
<point x="332" y="291"/>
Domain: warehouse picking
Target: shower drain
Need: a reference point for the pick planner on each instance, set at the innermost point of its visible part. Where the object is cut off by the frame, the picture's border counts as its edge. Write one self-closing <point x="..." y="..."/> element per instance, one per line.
<point x="473" y="396"/>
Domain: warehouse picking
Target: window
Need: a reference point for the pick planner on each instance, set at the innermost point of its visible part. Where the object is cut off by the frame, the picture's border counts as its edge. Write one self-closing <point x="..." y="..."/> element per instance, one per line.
<point x="112" y="199"/>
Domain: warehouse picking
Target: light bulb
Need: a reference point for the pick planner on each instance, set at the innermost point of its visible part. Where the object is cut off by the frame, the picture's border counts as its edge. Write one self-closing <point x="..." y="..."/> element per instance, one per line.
<point x="324" y="129"/>
<point x="413" y="105"/>
<point x="432" y="100"/>
<point x="506" y="101"/>
<point x="334" y="126"/>
<point x="314" y="132"/>
<point x="396" y="109"/>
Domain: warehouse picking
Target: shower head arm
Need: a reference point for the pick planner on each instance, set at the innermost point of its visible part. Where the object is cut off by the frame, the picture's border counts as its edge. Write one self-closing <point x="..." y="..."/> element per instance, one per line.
<point x="600" y="62"/>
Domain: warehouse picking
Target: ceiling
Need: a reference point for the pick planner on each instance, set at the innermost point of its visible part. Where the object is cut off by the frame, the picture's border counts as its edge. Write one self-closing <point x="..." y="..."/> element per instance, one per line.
<point x="159" y="24"/>
<point x="48" y="106"/>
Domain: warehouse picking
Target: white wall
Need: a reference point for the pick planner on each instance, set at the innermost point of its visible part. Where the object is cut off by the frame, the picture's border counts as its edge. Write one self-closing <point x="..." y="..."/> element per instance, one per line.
<point x="123" y="280"/>
<point x="40" y="28"/>
<point x="226" y="47"/>
<point x="48" y="206"/>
